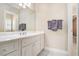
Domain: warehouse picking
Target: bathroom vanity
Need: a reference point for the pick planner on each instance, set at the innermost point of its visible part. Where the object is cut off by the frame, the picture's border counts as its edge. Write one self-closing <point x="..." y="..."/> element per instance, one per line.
<point x="20" y="44"/>
<point x="13" y="41"/>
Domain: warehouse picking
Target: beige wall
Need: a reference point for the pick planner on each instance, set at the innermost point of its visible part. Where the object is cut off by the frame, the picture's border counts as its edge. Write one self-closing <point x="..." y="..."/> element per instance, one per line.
<point x="45" y="12"/>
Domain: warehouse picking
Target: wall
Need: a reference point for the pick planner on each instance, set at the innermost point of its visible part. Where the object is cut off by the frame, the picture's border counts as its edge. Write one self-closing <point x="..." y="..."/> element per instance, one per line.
<point x="46" y="12"/>
<point x="27" y="16"/>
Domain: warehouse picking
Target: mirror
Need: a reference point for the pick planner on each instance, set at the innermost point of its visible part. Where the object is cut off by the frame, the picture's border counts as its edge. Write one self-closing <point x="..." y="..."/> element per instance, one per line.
<point x="10" y="23"/>
<point x="8" y="18"/>
<point x="12" y="15"/>
<point x="27" y="16"/>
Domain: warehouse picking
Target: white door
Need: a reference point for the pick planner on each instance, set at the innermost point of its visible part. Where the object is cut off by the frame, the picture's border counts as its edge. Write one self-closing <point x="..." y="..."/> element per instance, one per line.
<point x="78" y="28"/>
<point x="70" y="39"/>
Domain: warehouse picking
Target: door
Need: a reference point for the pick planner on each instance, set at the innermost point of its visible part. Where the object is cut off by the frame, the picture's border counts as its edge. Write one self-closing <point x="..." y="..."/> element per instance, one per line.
<point x="70" y="44"/>
<point x="78" y="28"/>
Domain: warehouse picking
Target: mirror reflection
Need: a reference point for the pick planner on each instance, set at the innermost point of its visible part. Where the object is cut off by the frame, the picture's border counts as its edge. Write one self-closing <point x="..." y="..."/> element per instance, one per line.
<point x="12" y="15"/>
<point x="10" y="22"/>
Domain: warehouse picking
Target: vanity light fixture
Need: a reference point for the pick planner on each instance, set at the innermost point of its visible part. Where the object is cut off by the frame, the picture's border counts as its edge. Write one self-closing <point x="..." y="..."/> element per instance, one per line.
<point x="23" y="5"/>
<point x="28" y="4"/>
<point x="20" y="4"/>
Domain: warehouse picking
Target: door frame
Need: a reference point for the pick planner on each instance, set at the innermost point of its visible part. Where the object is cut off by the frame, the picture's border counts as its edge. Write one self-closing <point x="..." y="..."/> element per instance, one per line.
<point x="70" y="31"/>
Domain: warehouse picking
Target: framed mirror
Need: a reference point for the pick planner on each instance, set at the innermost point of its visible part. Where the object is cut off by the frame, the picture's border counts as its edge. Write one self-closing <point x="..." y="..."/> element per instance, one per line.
<point x="10" y="21"/>
<point x="12" y="15"/>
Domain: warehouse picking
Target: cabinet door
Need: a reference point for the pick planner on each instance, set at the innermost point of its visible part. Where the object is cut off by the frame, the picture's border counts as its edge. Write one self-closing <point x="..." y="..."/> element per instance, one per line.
<point x="27" y="51"/>
<point x="8" y="47"/>
<point x="26" y="41"/>
<point x="36" y="48"/>
<point x="15" y="53"/>
<point x="42" y="41"/>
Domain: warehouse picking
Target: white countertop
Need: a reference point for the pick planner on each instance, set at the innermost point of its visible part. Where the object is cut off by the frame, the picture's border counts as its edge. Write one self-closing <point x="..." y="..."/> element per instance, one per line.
<point x="16" y="35"/>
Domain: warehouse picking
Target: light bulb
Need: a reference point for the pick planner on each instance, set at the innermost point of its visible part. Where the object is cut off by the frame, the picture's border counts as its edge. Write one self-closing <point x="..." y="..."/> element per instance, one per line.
<point x="20" y="4"/>
<point x="27" y="4"/>
<point x="24" y="6"/>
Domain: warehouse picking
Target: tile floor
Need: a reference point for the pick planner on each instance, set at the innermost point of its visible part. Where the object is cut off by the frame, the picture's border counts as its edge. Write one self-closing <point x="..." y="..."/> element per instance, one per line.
<point x="48" y="53"/>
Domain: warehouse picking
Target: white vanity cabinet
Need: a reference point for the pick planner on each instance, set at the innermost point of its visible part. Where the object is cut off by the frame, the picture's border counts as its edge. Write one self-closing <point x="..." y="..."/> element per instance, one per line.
<point x="9" y="48"/>
<point x="14" y="53"/>
<point x="31" y="46"/>
<point x="36" y="45"/>
<point x="36" y="48"/>
<point x="42" y="41"/>
<point x="27" y="46"/>
<point x="27" y="51"/>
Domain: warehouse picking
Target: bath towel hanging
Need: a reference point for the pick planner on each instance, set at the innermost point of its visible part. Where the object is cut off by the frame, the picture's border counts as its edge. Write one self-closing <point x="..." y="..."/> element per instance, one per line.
<point x="59" y="24"/>
<point x="54" y="25"/>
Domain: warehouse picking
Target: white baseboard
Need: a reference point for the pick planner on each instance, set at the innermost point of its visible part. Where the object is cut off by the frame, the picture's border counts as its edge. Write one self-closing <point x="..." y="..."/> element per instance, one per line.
<point x="57" y="50"/>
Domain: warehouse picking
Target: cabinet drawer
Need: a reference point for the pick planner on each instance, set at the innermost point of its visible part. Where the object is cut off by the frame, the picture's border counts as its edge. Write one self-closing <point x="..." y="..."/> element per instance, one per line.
<point x="30" y="40"/>
<point x="26" y="41"/>
<point x="7" y="47"/>
<point x="36" y="48"/>
<point x="27" y="51"/>
<point x="36" y="38"/>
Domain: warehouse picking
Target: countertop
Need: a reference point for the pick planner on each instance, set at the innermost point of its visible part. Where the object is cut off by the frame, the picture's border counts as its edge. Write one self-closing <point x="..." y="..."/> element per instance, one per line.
<point x="17" y="35"/>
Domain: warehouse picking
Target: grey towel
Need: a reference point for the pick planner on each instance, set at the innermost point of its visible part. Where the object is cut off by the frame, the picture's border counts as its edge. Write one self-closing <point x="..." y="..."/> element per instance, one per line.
<point x="59" y="26"/>
<point x="52" y="25"/>
<point x="55" y="25"/>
